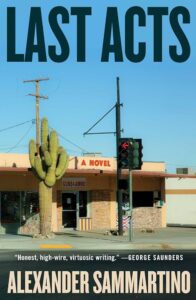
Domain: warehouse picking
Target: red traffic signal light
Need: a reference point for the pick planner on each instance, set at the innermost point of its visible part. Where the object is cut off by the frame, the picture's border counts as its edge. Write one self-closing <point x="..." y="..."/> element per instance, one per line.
<point x="124" y="145"/>
<point x="124" y="153"/>
<point x="130" y="154"/>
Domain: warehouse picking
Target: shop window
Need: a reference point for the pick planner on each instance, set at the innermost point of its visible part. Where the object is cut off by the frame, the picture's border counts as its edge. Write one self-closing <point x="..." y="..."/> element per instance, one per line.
<point x="29" y="205"/>
<point x="142" y="199"/>
<point x="10" y="207"/>
<point x="83" y="204"/>
<point x="16" y="208"/>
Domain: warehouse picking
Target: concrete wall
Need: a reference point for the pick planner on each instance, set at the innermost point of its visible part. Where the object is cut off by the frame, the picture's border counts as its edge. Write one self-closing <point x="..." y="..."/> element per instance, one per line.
<point x="147" y="217"/>
<point x="181" y="210"/>
<point x="187" y="185"/>
<point x="181" y="201"/>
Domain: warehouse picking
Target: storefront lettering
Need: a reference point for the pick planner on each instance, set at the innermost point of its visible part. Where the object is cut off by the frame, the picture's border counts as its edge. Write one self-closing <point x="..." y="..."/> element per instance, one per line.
<point x="74" y="182"/>
<point x="83" y="163"/>
<point x="96" y="163"/>
<point x="100" y="163"/>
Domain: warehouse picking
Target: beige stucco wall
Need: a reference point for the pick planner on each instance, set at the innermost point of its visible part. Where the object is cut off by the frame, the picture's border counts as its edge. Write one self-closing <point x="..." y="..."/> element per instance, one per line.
<point x="83" y="162"/>
<point x="154" y="166"/>
<point x="14" y="159"/>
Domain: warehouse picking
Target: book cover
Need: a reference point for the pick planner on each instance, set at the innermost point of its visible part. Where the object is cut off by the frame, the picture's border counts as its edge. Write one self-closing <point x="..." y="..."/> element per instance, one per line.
<point x="97" y="152"/>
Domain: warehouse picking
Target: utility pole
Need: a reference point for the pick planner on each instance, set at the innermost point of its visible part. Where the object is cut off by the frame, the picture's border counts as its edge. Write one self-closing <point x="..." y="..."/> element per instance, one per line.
<point x="37" y="98"/>
<point x="130" y="205"/>
<point x="118" y="177"/>
<point x="117" y="107"/>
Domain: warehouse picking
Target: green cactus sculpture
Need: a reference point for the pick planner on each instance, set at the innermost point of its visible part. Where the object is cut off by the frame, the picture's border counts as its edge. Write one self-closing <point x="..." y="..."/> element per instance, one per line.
<point x="49" y="163"/>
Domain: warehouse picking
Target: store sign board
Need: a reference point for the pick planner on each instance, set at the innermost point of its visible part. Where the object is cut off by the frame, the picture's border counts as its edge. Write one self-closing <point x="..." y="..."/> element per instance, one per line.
<point x="76" y="183"/>
<point x="96" y="163"/>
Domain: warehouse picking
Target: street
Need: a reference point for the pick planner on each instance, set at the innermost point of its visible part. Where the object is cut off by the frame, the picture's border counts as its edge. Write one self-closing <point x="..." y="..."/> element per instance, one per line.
<point x="160" y="239"/>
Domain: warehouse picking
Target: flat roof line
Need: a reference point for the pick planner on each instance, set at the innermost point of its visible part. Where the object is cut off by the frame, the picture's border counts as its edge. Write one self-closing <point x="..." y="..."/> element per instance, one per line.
<point x="105" y="172"/>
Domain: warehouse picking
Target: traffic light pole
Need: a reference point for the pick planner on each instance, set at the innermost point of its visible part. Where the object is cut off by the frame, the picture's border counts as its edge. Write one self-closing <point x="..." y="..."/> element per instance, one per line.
<point x="117" y="107"/>
<point x="118" y="136"/>
<point x="130" y="207"/>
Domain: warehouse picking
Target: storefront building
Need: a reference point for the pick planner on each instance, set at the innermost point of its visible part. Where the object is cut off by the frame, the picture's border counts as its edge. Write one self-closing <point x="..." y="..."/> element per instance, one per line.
<point x="181" y="201"/>
<point x="84" y="199"/>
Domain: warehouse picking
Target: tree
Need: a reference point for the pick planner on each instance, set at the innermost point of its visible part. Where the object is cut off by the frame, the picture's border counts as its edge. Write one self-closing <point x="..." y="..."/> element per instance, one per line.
<point x="49" y="165"/>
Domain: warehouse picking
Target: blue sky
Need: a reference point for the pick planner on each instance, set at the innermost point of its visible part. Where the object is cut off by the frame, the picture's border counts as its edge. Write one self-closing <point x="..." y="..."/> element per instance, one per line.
<point x="159" y="99"/>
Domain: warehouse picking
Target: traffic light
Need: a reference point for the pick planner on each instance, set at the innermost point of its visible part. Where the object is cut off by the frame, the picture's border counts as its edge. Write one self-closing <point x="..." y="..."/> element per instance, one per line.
<point x="123" y="184"/>
<point x="136" y="154"/>
<point x="124" y="153"/>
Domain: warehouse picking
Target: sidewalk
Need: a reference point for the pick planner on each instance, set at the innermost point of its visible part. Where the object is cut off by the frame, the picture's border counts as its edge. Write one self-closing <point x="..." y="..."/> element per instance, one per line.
<point x="162" y="239"/>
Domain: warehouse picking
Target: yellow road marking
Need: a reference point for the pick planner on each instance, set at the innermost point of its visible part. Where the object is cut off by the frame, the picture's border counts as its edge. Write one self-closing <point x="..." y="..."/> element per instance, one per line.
<point x="53" y="246"/>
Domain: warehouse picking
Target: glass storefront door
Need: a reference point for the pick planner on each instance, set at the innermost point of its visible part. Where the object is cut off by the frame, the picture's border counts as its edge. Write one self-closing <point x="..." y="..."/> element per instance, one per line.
<point x="69" y="212"/>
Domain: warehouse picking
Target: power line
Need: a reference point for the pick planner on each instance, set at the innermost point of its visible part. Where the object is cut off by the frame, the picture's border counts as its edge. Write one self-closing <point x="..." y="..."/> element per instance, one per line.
<point x="33" y="122"/>
<point x="8" y="147"/>
<point x="17" y="125"/>
<point x="107" y="113"/>
<point x="72" y="143"/>
<point x="16" y="145"/>
<point x="26" y="146"/>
